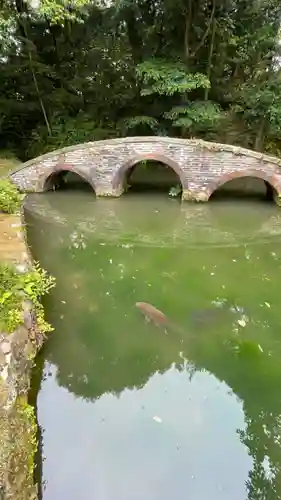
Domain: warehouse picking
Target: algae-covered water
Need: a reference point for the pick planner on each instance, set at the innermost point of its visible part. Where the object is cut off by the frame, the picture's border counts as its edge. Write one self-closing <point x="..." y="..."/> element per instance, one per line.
<point x="129" y="411"/>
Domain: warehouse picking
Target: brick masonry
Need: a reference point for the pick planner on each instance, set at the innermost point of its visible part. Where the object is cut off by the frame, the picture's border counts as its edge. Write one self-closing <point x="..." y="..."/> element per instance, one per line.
<point x="201" y="166"/>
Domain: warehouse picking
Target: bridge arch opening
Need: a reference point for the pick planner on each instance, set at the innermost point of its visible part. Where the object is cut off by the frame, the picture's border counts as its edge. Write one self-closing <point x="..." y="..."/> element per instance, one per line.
<point x="249" y="187"/>
<point x="150" y="175"/>
<point x="67" y="180"/>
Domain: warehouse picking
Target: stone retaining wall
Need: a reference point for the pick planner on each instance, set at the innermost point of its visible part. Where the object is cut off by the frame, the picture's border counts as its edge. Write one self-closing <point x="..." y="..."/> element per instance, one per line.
<point x="17" y="421"/>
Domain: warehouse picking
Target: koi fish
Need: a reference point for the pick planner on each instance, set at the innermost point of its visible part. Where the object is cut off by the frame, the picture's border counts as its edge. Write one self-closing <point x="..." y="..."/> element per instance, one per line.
<point x="151" y="314"/>
<point x="159" y="319"/>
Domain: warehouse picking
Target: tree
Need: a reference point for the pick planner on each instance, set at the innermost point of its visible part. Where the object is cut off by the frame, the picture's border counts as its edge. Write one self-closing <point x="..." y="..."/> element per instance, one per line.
<point x="180" y="67"/>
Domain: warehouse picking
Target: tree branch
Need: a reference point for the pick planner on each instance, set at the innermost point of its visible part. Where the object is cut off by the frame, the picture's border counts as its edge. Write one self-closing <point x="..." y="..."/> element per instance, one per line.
<point x="201" y="43"/>
<point x="187" y="29"/>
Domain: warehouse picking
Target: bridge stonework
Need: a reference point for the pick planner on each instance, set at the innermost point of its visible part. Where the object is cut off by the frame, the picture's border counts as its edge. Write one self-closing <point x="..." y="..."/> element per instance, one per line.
<point x="201" y="166"/>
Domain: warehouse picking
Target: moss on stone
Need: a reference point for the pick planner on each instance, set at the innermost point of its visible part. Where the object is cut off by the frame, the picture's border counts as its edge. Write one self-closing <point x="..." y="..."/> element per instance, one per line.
<point x="22" y="314"/>
<point x="277" y="199"/>
<point x="18" y="445"/>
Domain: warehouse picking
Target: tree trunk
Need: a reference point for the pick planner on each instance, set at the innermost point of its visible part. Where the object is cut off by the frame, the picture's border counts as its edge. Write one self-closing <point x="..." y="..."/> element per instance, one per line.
<point x="259" y="140"/>
<point x="211" y="50"/>
<point x="22" y="9"/>
<point x="133" y="36"/>
<point x="210" y="23"/>
<point x="187" y="30"/>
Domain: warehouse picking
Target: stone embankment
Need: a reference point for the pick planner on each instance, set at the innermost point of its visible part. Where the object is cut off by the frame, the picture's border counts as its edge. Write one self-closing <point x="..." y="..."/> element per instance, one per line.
<point x="17" y="352"/>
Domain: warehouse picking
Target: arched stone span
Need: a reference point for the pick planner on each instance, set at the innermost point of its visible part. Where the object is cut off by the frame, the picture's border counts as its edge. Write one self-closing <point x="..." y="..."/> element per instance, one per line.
<point x="271" y="181"/>
<point x="118" y="180"/>
<point x="202" y="166"/>
<point x="46" y="184"/>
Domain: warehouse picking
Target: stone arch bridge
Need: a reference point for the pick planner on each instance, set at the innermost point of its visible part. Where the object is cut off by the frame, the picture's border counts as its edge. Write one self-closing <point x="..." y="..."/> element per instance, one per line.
<point x="201" y="166"/>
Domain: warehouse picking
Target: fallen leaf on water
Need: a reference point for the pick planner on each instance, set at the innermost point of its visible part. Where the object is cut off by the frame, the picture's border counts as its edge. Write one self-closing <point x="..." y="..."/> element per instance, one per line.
<point x="157" y="419"/>
<point x="241" y="322"/>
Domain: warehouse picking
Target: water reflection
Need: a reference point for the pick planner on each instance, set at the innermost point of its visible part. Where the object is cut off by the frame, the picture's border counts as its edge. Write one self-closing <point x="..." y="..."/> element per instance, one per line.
<point x="162" y="441"/>
<point x="186" y="224"/>
<point x="129" y="412"/>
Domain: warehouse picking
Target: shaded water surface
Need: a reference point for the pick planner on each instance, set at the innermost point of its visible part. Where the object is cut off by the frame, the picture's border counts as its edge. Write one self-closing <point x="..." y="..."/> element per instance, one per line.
<point x="132" y="411"/>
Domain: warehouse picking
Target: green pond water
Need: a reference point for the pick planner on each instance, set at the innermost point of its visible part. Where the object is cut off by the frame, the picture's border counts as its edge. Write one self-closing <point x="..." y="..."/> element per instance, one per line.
<point x="127" y="410"/>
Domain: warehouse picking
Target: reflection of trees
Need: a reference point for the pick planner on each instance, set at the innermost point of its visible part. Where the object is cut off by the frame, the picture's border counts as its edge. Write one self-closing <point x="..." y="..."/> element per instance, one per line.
<point x="262" y="413"/>
<point x="263" y="439"/>
<point x="179" y="223"/>
<point x="101" y="358"/>
<point x="263" y="477"/>
<point x="107" y="373"/>
<point x="114" y="365"/>
<point x="104" y="361"/>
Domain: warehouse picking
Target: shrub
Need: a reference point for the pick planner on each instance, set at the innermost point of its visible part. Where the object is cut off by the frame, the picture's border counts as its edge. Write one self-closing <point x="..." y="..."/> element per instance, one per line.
<point x="8" y="162"/>
<point x="16" y="287"/>
<point x="67" y="132"/>
<point x="10" y="198"/>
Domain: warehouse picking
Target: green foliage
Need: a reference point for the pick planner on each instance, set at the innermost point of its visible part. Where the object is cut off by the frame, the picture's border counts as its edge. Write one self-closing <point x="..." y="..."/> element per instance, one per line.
<point x="262" y="99"/>
<point x="6" y="155"/>
<point x="59" y="12"/>
<point x="166" y="78"/>
<point x="7" y="27"/>
<point x="175" y="191"/>
<point x="16" y="287"/>
<point x="272" y="146"/>
<point x="10" y="198"/>
<point x="8" y="162"/>
<point x="200" y="114"/>
<point x="67" y="133"/>
<point x="138" y="121"/>
<point x="73" y="71"/>
<point x="172" y="79"/>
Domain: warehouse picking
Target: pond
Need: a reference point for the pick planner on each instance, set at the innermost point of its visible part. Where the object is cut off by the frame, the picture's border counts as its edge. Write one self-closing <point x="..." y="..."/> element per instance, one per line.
<point x="129" y="410"/>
